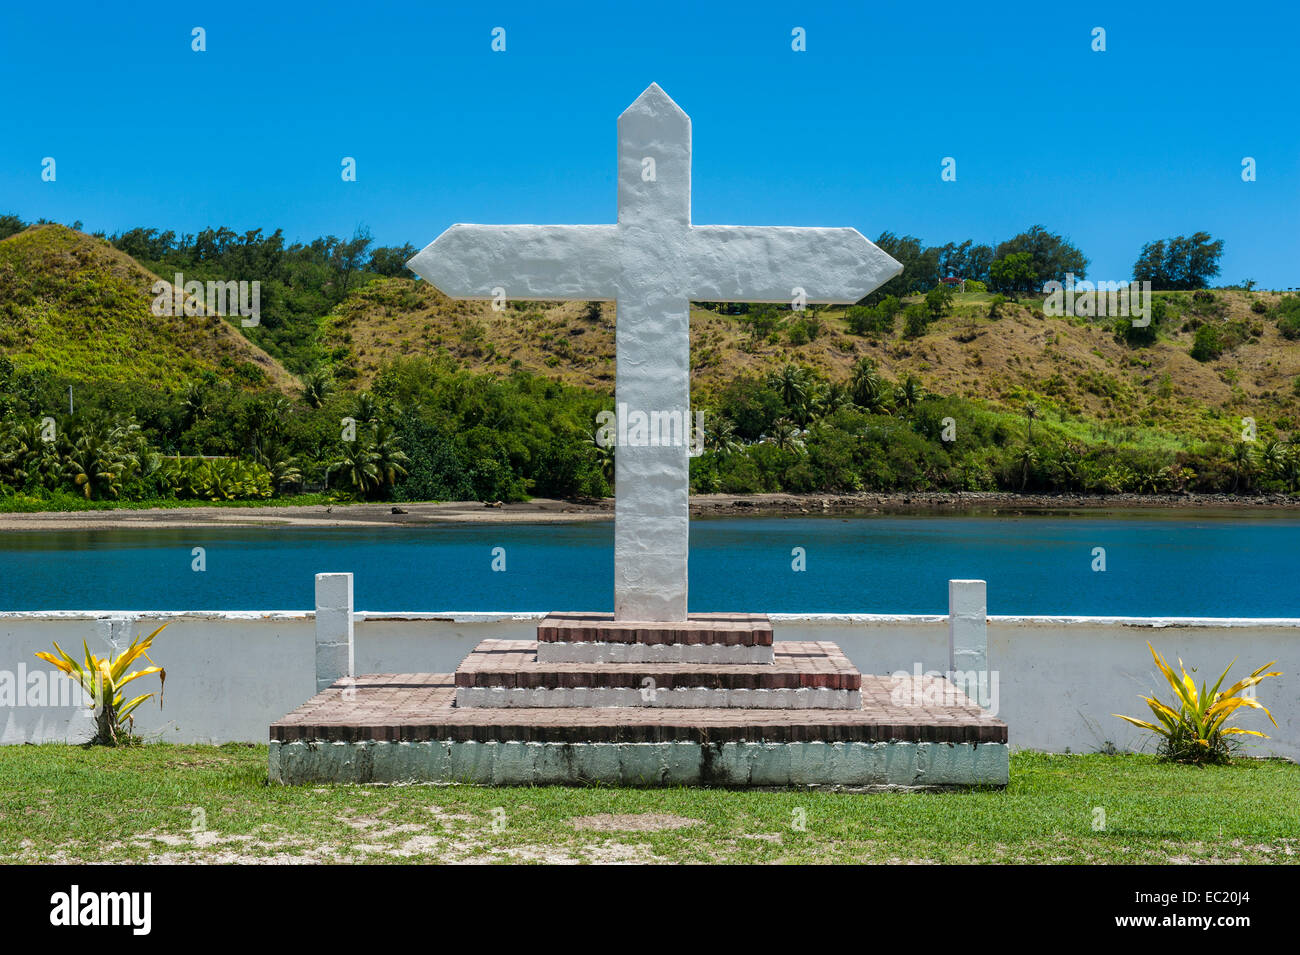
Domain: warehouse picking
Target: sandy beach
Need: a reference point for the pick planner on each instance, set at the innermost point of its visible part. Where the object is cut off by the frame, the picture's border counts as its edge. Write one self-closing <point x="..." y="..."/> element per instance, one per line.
<point x="545" y="510"/>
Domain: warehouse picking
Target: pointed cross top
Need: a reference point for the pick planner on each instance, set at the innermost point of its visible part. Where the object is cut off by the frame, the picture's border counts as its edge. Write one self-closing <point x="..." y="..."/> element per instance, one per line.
<point x="654" y="162"/>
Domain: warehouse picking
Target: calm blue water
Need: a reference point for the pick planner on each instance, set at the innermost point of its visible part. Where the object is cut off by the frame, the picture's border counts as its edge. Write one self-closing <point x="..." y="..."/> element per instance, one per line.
<point x="1214" y="566"/>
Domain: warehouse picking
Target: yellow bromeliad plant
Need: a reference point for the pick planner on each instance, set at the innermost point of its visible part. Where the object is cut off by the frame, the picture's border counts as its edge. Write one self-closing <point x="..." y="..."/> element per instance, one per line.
<point x="1196" y="730"/>
<point x="102" y="678"/>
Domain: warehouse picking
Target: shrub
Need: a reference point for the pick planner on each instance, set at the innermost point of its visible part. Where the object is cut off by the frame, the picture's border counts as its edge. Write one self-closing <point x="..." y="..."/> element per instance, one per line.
<point x="222" y="479"/>
<point x="805" y="330"/>
<point x="1197" y="731"/>
<point x="738" y="474"/>
<point x="435" y="472"/>
<point x="102" y="679"/>
<point x="1207" y="345"/>
<point x="1133" y="335"/>
<point x="915" y="321"/>
<point x="1258" y="307"/>
<point x="874" y="320"/>
<point x="1288" y="316"/>
<point x="763" y="322"/>
<point x="937" y="301"/>
<point x="1206" y="304"/>
<point x="1159" y="312"/>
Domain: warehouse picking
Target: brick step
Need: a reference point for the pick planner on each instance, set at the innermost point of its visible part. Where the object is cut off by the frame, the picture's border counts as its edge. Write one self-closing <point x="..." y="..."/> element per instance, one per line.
<point x="701" y="653"/>
<point x="730" y="638"/>
<point x="413" y="707"/>
<point x="726" y="629"/>
<point x="804" y="675"/>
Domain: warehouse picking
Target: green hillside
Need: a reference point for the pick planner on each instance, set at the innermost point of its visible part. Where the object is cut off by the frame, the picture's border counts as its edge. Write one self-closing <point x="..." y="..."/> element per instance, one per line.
<point x="1072" y="368"/>
<point x="407" y="395"/>
<point x="75" y="309"/>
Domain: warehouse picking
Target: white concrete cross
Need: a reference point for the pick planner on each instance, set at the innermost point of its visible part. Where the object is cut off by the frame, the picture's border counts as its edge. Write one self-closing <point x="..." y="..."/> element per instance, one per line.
<point x="653" y="264"/>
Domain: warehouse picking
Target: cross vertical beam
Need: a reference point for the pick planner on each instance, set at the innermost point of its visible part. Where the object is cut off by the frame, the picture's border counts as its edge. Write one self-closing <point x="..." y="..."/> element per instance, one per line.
<point x="653" y="366"/>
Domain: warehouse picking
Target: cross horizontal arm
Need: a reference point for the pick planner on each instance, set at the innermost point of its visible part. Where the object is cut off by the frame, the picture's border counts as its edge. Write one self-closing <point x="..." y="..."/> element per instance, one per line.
<point x="530" y="262"/>
<point x="767" y="264"/>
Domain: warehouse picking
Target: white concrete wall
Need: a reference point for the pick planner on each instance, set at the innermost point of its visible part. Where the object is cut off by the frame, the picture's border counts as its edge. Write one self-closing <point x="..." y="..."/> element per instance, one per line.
<point x="1058" y="679"/>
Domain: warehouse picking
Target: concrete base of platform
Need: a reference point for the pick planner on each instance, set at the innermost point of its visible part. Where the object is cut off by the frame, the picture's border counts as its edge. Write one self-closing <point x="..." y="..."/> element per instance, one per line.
<point x="847" y="765"/>
<point x="914" y="732"/>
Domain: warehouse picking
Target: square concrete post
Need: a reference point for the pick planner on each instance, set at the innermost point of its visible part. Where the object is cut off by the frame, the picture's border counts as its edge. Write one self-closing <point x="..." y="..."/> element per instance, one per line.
<point x="968" y="638"/>
<point x="334" y="650"/>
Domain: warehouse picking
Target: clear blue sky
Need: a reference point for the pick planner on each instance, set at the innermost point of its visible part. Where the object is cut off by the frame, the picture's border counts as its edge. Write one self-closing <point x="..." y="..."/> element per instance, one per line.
<point x="1112" y="149"/>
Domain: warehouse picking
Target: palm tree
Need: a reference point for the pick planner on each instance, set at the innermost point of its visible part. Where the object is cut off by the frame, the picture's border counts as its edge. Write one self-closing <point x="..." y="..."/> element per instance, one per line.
<point x="270" y="413"/>
<point x="1290" y="468"/>
<point x="22" y="449"/>
<point x="389" y="458"/>
<point x="194" y="400"/>
<point x="870" y="393"/>
<point x="834" y="397"/>
<point x="1243" y="462"/>
<point x="909" y="394"/>
<point x="720" y="437"/>
<point x="1272" y="456"/>
<point x="1031" y="415"/>
<point x="604" y="454"/>
<point x="316" y="386"/>
<point x="365" y="408"/>
<point x="1027" y="459"/>
<point x="96" y="464"/>
<point x="864" y="373"/>
<point x="875" y="397"/>
<point x="359" y="467"/>
<point x="814" y="404"/>
<point x="791" y="383"/>
<point x="787" y="436"/>
<point x="274" y="455"/>
<point x="1069" y="467"/>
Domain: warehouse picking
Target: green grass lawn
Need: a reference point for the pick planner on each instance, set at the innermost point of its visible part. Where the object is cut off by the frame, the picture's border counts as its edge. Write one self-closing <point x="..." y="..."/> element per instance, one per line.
<point x="212" y="804"/>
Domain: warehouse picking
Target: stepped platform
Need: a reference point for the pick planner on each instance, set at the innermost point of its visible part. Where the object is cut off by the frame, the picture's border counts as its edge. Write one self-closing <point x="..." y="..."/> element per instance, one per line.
<point x="701" y="638"/>
<point x="712" y="700"/>
<point x="388" y="728"/>
<point x="802" y="675"/>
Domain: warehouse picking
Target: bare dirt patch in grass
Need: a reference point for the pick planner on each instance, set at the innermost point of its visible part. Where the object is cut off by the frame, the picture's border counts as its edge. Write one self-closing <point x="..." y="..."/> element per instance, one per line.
<point x="633" y="822"/>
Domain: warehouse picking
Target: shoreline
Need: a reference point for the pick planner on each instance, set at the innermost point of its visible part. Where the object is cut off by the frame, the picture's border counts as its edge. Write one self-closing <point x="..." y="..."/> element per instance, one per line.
<point x="550" y="511"/>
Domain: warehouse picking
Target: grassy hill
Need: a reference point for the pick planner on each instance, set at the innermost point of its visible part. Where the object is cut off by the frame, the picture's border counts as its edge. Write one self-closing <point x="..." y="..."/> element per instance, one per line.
<point x="454" y="400"/>
<point x="75" y="308"/>
<point x="1072" y="368"/>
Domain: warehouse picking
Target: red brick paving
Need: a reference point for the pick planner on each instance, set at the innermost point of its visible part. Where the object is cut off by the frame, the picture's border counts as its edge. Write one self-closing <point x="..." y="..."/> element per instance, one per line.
<point x="419" y="706"/>
<point x="798" y="665"/>
<point x="746" y="629"/>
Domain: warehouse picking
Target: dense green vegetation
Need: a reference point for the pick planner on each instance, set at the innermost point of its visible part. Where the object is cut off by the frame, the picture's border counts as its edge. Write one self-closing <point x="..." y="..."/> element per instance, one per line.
<point x="174" y="411"/>
<point x="798" y="432"/>
<point x="1024" y="262"/>
<point x="428" y="430"/>
<point x="425" y="431"/>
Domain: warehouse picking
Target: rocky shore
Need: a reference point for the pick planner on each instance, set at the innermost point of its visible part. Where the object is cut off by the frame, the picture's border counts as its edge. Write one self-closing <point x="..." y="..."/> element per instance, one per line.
<point x="544" y="510"/>
<point x="976" y="501"/>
